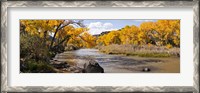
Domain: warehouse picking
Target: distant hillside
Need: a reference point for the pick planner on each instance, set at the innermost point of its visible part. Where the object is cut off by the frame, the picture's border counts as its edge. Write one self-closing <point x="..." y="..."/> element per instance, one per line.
<point x="103" y="33"/>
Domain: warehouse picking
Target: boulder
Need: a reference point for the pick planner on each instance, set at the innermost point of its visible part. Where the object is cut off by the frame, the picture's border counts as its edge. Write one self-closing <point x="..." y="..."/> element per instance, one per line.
<point x="92" y="67"/>
<point x="72" y="68"/>
<point x="146" y="69"/>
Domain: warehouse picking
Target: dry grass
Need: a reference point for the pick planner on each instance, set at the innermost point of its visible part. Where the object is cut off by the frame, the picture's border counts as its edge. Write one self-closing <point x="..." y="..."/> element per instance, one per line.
<point x="143" y="51"/>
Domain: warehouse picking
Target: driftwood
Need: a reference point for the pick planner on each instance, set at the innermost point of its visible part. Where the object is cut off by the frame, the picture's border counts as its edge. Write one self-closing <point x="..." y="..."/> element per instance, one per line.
<point x="59" y="64"/>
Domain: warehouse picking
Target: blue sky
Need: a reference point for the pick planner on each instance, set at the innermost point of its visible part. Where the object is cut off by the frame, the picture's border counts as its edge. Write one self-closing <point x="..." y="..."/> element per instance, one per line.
<point x="98" y="26"/>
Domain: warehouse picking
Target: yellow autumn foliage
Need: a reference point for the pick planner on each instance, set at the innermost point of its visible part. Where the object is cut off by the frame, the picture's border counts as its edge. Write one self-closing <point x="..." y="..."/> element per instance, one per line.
<point x="44" y="28"/>
<point x="160" y="33"/>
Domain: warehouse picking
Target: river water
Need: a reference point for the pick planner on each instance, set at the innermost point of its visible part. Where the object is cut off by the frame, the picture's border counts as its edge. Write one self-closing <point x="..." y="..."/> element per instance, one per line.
<point x="119" y="63"/>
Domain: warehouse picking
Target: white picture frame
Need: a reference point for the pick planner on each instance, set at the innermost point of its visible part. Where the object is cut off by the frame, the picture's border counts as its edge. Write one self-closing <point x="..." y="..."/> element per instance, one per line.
<point x="106" y="4"/>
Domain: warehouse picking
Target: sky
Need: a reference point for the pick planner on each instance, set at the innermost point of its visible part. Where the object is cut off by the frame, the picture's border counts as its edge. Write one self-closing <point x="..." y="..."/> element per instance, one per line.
<point x="99" y="26"/>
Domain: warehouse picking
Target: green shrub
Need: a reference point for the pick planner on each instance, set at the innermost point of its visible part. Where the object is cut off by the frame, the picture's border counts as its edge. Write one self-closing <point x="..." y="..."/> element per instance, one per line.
<point x="31" y="66"/>
<point x="35" y="55"/>
<point x="32" y="47"/>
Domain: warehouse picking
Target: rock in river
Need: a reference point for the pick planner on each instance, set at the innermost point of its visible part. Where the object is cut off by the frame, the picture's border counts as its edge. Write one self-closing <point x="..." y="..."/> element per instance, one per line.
<point x="92" y="67"/>
<point x="146" y="69"/>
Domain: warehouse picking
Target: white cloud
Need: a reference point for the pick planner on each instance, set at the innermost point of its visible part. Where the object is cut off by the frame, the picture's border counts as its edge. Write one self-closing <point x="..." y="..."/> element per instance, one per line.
<point x="108" y="25"/>
<point x="95" y="25"/>
<point x="99" y="27"/>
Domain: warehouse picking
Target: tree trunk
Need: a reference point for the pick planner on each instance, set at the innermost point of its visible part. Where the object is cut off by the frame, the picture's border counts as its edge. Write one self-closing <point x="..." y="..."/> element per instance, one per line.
<point x="45" y="37"/>
<point x="52" y="41"/>
<point x="66" y="38"/>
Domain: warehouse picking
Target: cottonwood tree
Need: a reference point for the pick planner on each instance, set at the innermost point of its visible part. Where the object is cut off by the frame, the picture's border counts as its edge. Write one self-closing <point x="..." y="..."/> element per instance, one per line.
<point x="159" y="33"/>
<point x="43" y="28"/>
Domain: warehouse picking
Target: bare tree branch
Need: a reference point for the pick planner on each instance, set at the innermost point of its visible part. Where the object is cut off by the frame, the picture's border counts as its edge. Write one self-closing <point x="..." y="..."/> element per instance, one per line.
<point x="62" y="25"/>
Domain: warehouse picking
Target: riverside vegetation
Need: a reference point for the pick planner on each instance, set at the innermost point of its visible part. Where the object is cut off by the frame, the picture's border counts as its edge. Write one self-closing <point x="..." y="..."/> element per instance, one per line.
<point x="142" y="51"/>
<point x="42" y="40"/>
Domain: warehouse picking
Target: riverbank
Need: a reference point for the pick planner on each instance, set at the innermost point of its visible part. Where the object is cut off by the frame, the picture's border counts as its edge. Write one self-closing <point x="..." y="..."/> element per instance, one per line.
<point x="142" y="51"/>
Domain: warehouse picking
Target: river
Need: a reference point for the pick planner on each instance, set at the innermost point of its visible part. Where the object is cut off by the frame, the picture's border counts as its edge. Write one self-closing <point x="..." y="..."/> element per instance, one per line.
<point x="120" y="63"/>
